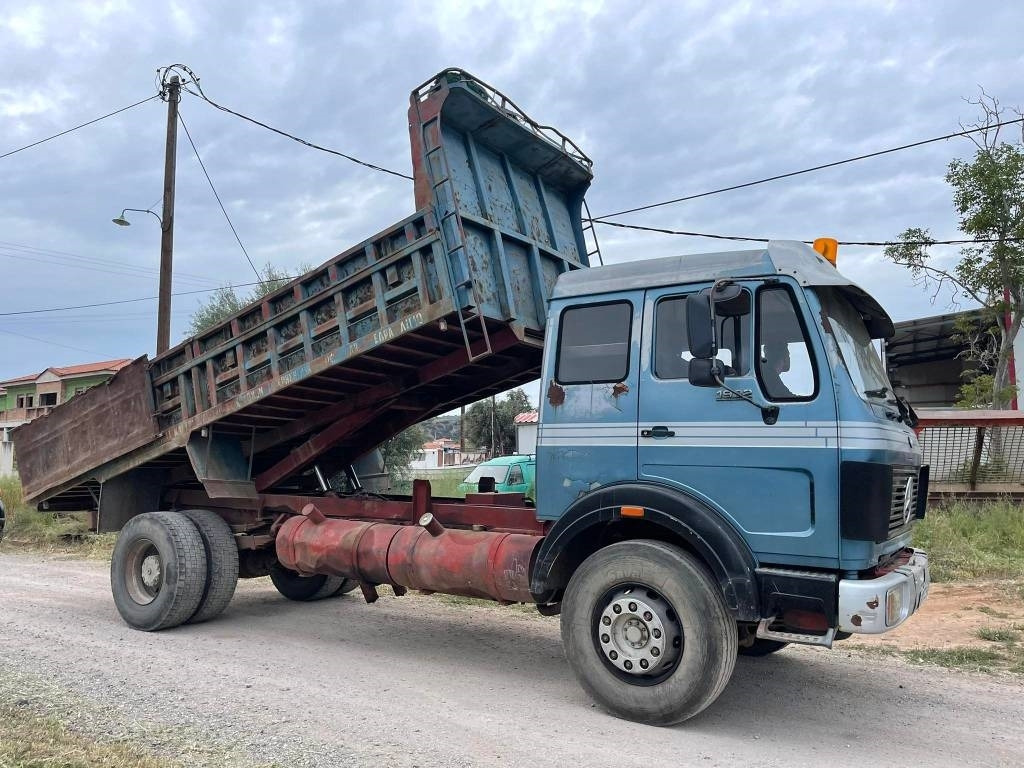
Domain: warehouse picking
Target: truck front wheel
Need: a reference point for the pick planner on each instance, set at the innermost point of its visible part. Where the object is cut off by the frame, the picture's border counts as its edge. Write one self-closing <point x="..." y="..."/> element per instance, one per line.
<point x="158" y="570"/>
<point x="647" y="632"/>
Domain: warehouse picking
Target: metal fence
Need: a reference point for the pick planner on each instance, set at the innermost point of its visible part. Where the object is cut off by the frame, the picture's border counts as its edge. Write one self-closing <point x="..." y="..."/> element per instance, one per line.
<point x="973" y="452"/>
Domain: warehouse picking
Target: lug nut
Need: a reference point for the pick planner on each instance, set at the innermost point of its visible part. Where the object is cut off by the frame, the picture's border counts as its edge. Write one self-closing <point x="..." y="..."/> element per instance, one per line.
<point x="648" y="616"/>
<point x="606" y="620"/>
<point x="627" y="664"/>
<point x="605" y="639"/>
<point x="655" y="652"/>
<point x="656" y="633"/>
<point x="632" y="606"/>
<point x="613" y="655"/>
<point x="644" y="664"/>
<point x="617" y="608"/>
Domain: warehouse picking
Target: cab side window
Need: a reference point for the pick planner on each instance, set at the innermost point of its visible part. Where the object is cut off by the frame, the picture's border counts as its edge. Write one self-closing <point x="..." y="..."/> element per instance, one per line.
<point x="515" y="475"/>
<point x="785" y="366"/>
<point x="593" y="343"/>
<point x="671" y="351"/>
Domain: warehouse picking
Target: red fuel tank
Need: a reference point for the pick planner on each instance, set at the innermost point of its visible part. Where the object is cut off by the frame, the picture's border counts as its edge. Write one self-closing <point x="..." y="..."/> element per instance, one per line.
<point x="427" y="556"/>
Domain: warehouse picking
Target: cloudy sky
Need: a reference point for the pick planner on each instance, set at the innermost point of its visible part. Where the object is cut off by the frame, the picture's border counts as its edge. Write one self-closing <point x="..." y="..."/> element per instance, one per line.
<point x="669" y="99"/>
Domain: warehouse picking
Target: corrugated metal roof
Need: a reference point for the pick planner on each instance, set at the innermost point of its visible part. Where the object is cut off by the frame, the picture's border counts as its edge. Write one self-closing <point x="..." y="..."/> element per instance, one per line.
<point x="530" y="417"/>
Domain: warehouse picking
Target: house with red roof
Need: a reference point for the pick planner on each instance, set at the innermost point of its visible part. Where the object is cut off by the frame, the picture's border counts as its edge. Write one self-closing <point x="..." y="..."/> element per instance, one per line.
<point x="526" y="432"/>
<point x="27" y="397"/>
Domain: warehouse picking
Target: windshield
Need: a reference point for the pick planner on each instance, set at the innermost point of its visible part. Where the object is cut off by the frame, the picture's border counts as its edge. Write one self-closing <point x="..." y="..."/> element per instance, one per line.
<point x="855" y="346"/>
<point x="498" y="472"/>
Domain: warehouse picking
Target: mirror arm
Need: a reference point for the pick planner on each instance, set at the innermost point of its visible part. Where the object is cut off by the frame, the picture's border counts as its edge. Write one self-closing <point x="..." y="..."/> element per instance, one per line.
<point x="769" y="413"/>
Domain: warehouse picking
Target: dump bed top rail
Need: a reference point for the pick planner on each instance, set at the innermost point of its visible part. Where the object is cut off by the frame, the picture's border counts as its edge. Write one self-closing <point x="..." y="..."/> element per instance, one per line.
<point x="444" y="307"/>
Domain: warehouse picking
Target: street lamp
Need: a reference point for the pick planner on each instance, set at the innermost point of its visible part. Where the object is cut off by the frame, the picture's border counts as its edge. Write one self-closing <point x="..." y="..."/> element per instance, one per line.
<point x="121" y="221"/>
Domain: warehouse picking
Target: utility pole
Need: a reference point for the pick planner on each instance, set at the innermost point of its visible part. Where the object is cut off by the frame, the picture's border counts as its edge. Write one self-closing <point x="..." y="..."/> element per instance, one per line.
<point x="493" y="435"/>
<point x="172" y="94"/>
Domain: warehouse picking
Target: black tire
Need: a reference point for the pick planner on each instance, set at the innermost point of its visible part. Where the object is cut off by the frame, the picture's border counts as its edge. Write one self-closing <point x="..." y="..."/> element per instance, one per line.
<point x="221" y="560"/>
<point x="688" y="604"/>
<point x="158" y="570"/>
<point x="305" y="589"/>
<point x="3" y="519"/>
<point x="347" y="585"/>
<point x="762" y="647"/>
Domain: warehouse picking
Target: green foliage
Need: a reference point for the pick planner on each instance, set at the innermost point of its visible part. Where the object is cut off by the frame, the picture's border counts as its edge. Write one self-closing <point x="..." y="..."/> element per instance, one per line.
<point x="400" y="450"/>
<point x="998" y="634"/>
<point x="501" y="413"/>
<point x="973" y="659"/>
<point x="226" y="301"/>
<point x="973" y="541"/>
<point x="988" y="196"/>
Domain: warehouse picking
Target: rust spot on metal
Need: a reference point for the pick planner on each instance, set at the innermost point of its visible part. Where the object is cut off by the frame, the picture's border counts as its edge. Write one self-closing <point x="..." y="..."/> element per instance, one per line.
<point x="556" y="393"/>
<point x="620" y="389"/>
<point x="872" y="604"/>
<point x="856" y="620"/>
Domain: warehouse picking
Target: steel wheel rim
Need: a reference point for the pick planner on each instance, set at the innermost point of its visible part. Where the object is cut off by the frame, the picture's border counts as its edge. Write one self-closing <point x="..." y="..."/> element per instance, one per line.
<point x="144" y="572"/>
<point x="637" y="634"/>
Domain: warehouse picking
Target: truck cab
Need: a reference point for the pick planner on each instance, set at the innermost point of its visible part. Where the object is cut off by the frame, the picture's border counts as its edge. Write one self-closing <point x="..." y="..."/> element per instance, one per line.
<point x="734" y="404"/>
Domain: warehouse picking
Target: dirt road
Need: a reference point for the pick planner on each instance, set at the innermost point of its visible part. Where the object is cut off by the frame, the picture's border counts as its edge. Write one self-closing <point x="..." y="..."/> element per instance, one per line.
<point x="418" y="682"/>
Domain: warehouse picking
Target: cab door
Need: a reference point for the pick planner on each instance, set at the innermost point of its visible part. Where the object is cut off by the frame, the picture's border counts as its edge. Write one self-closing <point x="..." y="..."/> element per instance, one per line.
<point x="587" y="435"/>
<point x="770" y="480"/>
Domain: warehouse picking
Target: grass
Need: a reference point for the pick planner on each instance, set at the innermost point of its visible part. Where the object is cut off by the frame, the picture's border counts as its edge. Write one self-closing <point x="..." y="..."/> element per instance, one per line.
<point x="444" y="483"/>
<point x="28" y="528"/>
<point x="999" y="634"/>
<point x="1009" y="657"/>
<point x="32" y="741"/>
<point x="974" y="541"/>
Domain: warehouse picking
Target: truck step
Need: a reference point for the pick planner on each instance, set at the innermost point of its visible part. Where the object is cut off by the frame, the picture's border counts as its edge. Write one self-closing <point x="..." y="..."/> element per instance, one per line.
<point x="793" y="637"/>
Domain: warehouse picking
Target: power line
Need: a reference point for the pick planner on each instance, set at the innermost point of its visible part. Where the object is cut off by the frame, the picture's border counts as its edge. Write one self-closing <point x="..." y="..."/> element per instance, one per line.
<point x="130" y="301"/>
<point x="83" y="125"/>
<point x="958" y="134"/>
<point x="198" y="93"/>
<point x="54" y="343"/>
<point x="742" y="238"/>
<point x="222" y="208"/>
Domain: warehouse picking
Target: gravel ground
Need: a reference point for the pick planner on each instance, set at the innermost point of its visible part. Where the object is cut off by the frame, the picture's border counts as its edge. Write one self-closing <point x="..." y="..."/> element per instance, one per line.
<point x="418" y="681"/>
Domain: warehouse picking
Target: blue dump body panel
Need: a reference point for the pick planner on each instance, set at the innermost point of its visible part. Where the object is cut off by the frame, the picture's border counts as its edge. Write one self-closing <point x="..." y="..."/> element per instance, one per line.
<point x="445" y="307"/>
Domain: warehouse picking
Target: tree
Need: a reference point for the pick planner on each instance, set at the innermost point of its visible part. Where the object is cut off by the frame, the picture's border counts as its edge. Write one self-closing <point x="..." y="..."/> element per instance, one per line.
<point x="225" y="301"/>
<point x="401" y="449"/>
<point x="988" y="195"/>
<point x="501" y="440"/>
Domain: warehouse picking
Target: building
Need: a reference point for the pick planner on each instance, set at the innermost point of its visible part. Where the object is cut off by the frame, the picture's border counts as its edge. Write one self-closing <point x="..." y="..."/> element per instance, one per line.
<point x="526" y="432"/>
<point x="28" y="397"/>
<point x="438" y="454"/>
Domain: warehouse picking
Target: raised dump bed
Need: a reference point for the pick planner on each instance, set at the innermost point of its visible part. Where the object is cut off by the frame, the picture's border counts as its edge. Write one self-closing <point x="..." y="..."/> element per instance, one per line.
<point x="441" y="309"/>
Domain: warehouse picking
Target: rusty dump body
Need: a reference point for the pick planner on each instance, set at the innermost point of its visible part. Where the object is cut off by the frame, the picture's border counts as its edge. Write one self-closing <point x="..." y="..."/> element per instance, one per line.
<point x="445" y="307"/>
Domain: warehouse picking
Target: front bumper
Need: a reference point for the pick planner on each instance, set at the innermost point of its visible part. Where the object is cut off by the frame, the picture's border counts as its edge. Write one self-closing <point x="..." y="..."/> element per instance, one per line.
<point x="873" y="606"/>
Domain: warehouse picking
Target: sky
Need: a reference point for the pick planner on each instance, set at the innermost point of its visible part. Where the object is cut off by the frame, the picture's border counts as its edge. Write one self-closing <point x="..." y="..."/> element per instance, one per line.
<point x="668" y="98"/>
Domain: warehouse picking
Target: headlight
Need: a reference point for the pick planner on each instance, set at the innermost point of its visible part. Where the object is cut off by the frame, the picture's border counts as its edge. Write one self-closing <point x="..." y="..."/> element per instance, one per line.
<point x="893" y="606"/>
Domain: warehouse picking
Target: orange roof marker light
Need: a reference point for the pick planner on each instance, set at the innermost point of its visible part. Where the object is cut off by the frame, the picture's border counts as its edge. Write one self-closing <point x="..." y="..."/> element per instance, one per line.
<point x="631" y="511"/>
<point x="827" y="247"/>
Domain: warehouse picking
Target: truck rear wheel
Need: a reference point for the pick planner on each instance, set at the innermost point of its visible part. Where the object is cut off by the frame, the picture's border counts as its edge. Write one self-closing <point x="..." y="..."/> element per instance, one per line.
<point x="221" y="561"/>
<point x="158" y="570"/>
<point x="308" y="588"/>
<point x="647" y="632"/>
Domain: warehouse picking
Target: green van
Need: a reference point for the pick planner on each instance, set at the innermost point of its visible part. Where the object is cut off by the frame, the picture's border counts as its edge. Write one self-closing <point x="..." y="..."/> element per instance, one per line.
<point x="512" y="474"/>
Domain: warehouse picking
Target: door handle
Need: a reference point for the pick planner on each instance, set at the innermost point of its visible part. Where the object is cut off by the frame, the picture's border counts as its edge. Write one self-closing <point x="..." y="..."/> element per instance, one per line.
<point x="657" y="432"/>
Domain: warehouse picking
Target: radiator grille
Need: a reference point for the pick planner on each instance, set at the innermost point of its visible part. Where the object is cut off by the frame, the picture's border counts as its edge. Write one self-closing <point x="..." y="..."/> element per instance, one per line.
<point x="904" y="482"/>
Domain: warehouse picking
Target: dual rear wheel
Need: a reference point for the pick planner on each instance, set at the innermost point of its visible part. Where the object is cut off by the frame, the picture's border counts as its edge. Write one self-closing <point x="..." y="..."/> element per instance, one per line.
<point x="171" y="568"/>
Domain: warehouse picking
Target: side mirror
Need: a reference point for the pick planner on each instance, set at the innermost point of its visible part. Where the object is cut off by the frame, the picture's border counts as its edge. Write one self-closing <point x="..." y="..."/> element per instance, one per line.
<point x="706" y="372"/>
<point x="700" y="327"/>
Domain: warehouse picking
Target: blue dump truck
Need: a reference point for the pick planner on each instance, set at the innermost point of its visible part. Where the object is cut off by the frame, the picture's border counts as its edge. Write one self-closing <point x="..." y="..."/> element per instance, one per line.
<point x="722" y="466"/>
